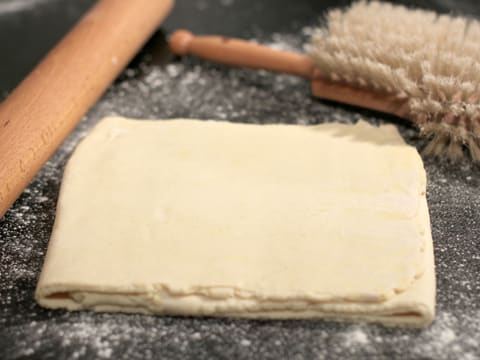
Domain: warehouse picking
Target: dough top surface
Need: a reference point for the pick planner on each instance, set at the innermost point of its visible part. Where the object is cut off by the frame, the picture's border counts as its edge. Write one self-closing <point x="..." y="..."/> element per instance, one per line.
<point x="220" y="210"/>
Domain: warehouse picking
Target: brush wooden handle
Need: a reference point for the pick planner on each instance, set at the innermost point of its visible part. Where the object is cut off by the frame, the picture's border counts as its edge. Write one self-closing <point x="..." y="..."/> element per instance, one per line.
<point x="378" y="101"/>
<point x="46" y="106"/>
<point x="242" y="53"/>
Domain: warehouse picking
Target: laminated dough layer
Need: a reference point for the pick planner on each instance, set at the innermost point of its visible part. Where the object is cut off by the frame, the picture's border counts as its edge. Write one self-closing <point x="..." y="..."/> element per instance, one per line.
<point x="214" y="218"/>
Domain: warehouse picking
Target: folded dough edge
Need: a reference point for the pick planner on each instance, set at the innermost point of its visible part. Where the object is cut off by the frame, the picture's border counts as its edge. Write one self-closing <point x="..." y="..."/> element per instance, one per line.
<point x="412" y="307"/>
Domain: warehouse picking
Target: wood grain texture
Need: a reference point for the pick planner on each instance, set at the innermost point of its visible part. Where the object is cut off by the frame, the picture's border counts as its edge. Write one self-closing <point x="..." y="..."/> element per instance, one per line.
<point x="46" y="106"/>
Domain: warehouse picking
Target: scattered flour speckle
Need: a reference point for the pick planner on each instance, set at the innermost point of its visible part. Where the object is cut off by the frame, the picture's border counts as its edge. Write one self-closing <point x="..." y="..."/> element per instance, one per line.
<point x="356" y="336"/>
<point x="245" y="342"/>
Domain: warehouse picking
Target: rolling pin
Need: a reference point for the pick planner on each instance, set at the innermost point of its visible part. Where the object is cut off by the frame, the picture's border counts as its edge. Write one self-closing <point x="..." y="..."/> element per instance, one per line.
<point x="39" y="114"/>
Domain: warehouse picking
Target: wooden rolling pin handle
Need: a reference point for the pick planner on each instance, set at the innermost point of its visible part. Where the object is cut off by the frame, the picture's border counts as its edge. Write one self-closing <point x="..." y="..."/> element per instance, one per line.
<point x="46" y="106"/>
<point x="241" y="53"/>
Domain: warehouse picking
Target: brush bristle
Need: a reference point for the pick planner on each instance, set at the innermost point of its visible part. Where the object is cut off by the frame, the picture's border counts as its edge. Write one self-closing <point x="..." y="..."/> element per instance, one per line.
<point x="432" y="61"/>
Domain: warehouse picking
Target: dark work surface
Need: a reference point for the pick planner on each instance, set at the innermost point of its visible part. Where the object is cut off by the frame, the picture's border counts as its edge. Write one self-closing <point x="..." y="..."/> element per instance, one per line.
<point x="193" y="88"/>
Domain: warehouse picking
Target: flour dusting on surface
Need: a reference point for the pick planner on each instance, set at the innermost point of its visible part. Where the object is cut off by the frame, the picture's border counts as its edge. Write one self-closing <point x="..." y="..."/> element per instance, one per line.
<point x="199" y="89"/>
<point x="356" y="336"/>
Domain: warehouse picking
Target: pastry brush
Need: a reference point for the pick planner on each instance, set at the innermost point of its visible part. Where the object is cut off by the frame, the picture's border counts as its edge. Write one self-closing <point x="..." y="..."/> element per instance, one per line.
<point x="414" y="64"/>
<point x="40" y="113"/>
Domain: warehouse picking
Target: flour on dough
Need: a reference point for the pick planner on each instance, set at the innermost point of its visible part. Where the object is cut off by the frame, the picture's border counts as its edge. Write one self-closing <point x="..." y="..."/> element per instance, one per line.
<point x="214" y="218"/>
